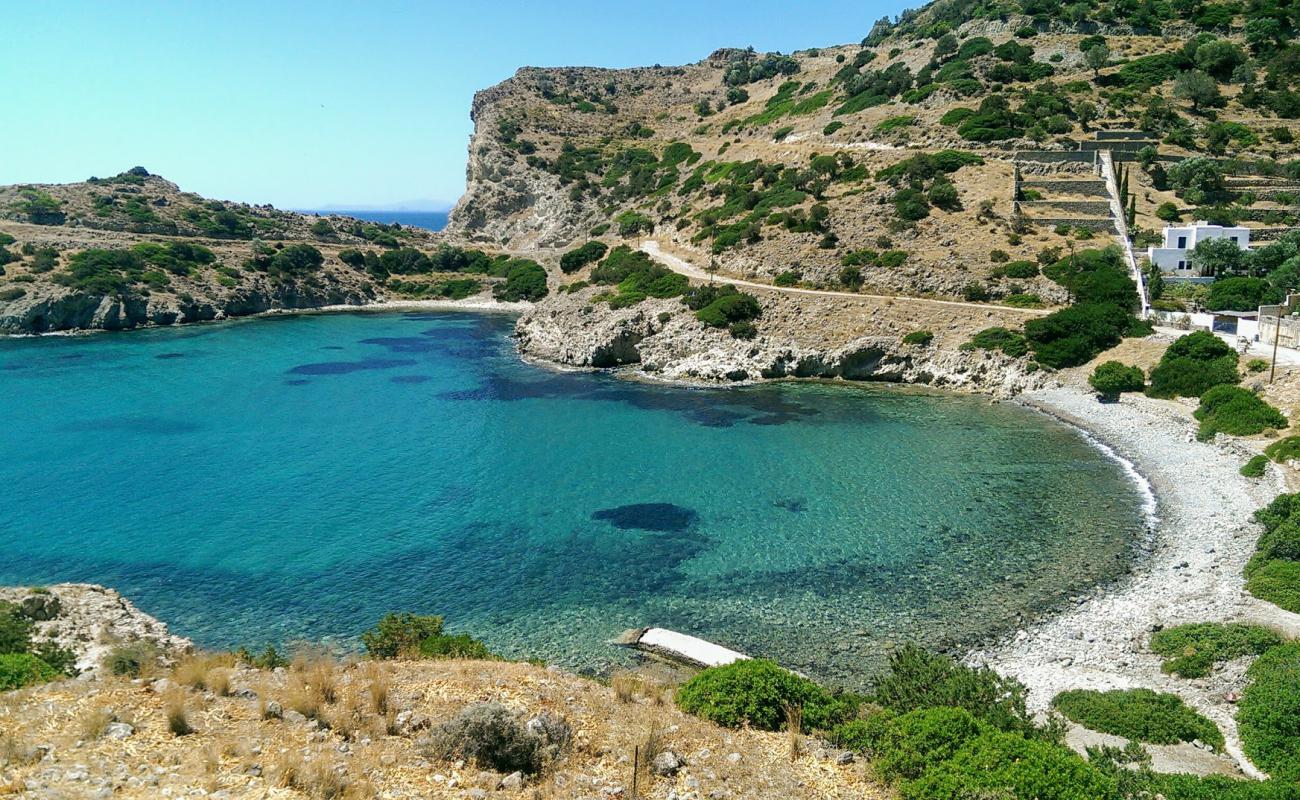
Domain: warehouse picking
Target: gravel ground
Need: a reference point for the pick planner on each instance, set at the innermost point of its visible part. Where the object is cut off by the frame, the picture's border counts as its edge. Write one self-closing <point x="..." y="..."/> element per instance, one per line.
<point x="1189" y="570"/>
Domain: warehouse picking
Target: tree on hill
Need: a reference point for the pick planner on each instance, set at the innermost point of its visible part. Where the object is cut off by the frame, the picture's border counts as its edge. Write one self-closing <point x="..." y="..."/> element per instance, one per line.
<point x="1097" y="57"/>
<point x="1197" y="88"/>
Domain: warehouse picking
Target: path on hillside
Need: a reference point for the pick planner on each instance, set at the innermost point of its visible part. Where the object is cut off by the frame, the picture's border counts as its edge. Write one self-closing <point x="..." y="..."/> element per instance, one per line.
<point x="684" y="267"/>
<point x="1120" y="218"/>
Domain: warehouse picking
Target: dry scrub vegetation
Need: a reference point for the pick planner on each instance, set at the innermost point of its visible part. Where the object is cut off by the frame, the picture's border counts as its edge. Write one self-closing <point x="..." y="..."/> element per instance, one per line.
<point x="324" y="728"/>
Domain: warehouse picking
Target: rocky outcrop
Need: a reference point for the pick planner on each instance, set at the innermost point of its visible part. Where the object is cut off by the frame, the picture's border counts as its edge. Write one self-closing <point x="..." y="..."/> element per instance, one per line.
<point x="660" y="338"/>
<point x="48" y="308"/>
<point x="90" y="621"/>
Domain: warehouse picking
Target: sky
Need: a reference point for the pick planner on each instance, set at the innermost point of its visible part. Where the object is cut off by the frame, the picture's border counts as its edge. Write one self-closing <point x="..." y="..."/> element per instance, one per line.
<point x="309" y="104"/>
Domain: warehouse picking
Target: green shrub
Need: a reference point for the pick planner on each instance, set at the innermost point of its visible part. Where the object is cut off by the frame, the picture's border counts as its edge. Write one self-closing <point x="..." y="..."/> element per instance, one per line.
<point x="1256" y="365"/>
<point x="1269" y="713"/>
<point x="1192" y="365"/>
<point x="1007" y="765"/>
<point x="922" y="338"/>
<point x="913" y="743"/>
<point x="787" y="278"/>
<point x="1113" y="378"/>
<point x="23" y="669"/>
<point x="831" y="127"/>
<point x="780" y="133"/>
<point x="1255" y="467"/>
<point x="1168" y="212"/>
<point x="1236" y="412"/>
<point x="1020" y="270"/>
<point x="630" y="223"/>
<point x="998" y="338"/>
<point x="400" y="634"/>
<point x="15" y="629"/>
<point x="580" y="257"/>
<point x="462" y="645"/>
<point x="725" y="310"/>
<point x="1284" y="450"/>
<point x="12" y="293"/>
<point x="756" y="692"/>
<point x="1138" y="714"/>
<point x="1276" y="581"/>
<point x="919" y="679"/>
<point x="525" y="280"/>
<point x="1191" y="651"/>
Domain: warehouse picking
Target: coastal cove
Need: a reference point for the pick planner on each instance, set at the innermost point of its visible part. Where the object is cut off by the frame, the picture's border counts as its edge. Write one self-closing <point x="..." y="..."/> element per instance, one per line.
<point x="364" y="463"/>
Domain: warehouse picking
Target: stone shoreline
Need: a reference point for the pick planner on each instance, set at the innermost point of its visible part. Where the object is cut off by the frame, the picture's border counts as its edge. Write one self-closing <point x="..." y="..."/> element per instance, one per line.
<point x="1191" y="572"/>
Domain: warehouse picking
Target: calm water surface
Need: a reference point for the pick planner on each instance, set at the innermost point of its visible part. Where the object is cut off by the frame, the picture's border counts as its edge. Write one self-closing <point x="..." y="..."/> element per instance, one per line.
<point x="279" y="479"/>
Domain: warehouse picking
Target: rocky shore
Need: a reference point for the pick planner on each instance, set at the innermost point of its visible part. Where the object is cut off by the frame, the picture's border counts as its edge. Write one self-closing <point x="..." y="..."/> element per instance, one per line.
<point x="89" y="620"/>
<point x="800" y="337"/>
<point x="1190" y="570"/>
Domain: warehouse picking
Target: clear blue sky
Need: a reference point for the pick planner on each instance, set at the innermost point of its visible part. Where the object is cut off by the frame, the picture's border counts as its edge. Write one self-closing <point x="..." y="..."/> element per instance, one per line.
<point x="312" y="103"/>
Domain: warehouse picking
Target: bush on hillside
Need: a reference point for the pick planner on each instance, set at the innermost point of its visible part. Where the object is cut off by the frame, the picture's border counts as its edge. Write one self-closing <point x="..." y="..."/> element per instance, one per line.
<point x="997" y="764"/>
<point x="1113" y="378"/>
<point x="730" y="308"/>
<point x="133" y="659"/>
<point x="998" y="338"/>
<point x="1255" y="467"/>
<point x="1269" y="713"/>
<point x="906" y="746"/>
<point x="1138" y="714"/>
<point x="1074" y="335"/>
<point x="15" y="629"/>
<point x="525" y="281"/>
<point x="1284" y="450"/>
<point x="493" y="737"/>
<point x="23" y="669"/>
<point x="580" y="257"/>
<point x="1241" y="294"/>
<point x="398" y="635"/>
<point x="1191" y="651"/>
<point x="1193" y="364"/>
<point x="921" y="338"/>
<point x="1236" y="412"/>
<point x="1277" y="582"/>
<point x="920" y="679"/>
<point x="756" y="692"/>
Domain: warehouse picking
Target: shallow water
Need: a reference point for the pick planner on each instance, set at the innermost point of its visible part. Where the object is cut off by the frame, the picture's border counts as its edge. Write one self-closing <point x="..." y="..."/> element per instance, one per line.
<point x="297" y="477"/>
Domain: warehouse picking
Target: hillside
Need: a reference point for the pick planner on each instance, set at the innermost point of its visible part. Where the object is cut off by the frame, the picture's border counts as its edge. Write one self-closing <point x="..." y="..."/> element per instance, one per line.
<point x="134" y="250"/>
<point x="814" y="165"/>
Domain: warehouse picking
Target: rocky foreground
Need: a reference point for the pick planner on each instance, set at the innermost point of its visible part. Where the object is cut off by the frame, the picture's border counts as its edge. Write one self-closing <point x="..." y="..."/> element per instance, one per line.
<point x="204" y="726"/>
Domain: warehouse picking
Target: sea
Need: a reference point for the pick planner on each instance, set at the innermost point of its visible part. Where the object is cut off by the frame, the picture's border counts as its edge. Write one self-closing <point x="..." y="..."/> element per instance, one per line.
<point x="292" y="479"/>
<point x="429" y="220"/>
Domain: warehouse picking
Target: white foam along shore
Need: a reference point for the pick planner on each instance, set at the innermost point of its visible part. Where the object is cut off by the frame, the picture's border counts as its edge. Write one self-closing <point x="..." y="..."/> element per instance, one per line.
<point x="1191" y="570"/>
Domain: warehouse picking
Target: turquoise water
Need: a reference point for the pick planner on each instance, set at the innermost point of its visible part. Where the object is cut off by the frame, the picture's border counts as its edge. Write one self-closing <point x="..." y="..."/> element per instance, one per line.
<point x="297" y="477"/>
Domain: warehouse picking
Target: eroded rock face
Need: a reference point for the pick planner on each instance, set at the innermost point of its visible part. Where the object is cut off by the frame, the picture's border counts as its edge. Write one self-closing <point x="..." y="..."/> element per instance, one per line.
<point x="664" y="339"/>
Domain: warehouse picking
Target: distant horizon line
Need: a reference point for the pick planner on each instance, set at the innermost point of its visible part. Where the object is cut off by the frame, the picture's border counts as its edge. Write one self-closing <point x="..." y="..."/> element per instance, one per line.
<point x="415" y="207"/>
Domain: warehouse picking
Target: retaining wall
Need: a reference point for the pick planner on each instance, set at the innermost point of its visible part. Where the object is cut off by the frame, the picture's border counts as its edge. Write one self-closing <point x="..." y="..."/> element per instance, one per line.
<point x="1088" y="187"/>
<point x="1099" y="208"/>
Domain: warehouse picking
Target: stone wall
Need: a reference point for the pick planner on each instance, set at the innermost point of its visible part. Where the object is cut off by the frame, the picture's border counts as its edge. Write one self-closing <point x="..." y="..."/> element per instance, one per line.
<point x="1091" y="223"/>
<point x="1098" y="208"/>
<point x="1086" y="187"/>
<point x="1055" y="156"/>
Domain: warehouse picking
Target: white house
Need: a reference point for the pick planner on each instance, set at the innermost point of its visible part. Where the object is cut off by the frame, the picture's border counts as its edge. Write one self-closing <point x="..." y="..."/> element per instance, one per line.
<point x="1175" y="258"/>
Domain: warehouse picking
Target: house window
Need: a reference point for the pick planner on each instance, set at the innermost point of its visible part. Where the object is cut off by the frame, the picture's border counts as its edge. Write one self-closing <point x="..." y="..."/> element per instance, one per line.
<point x="1182" y="242"/>
<point x="1182" y="265"/>
<point x="1234" y="239"/>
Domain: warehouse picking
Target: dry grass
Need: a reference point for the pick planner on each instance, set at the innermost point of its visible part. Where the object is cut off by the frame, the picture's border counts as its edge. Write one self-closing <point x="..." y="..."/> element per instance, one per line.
<point x="205" y="671"/>
<point x="794" y="730"/>
<point x="95" y="722"/>
<point x="625" y="685"/>
<point x="174" y="709"/>
<point x="378" y="684"/>
<point x="237" y="752"/>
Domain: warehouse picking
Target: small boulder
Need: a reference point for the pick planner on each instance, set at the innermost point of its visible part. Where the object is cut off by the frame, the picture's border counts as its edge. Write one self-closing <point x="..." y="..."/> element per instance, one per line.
<point x="513" y="781"/>
<point x="118" y="730"/>
<point x="667" y="763"/>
